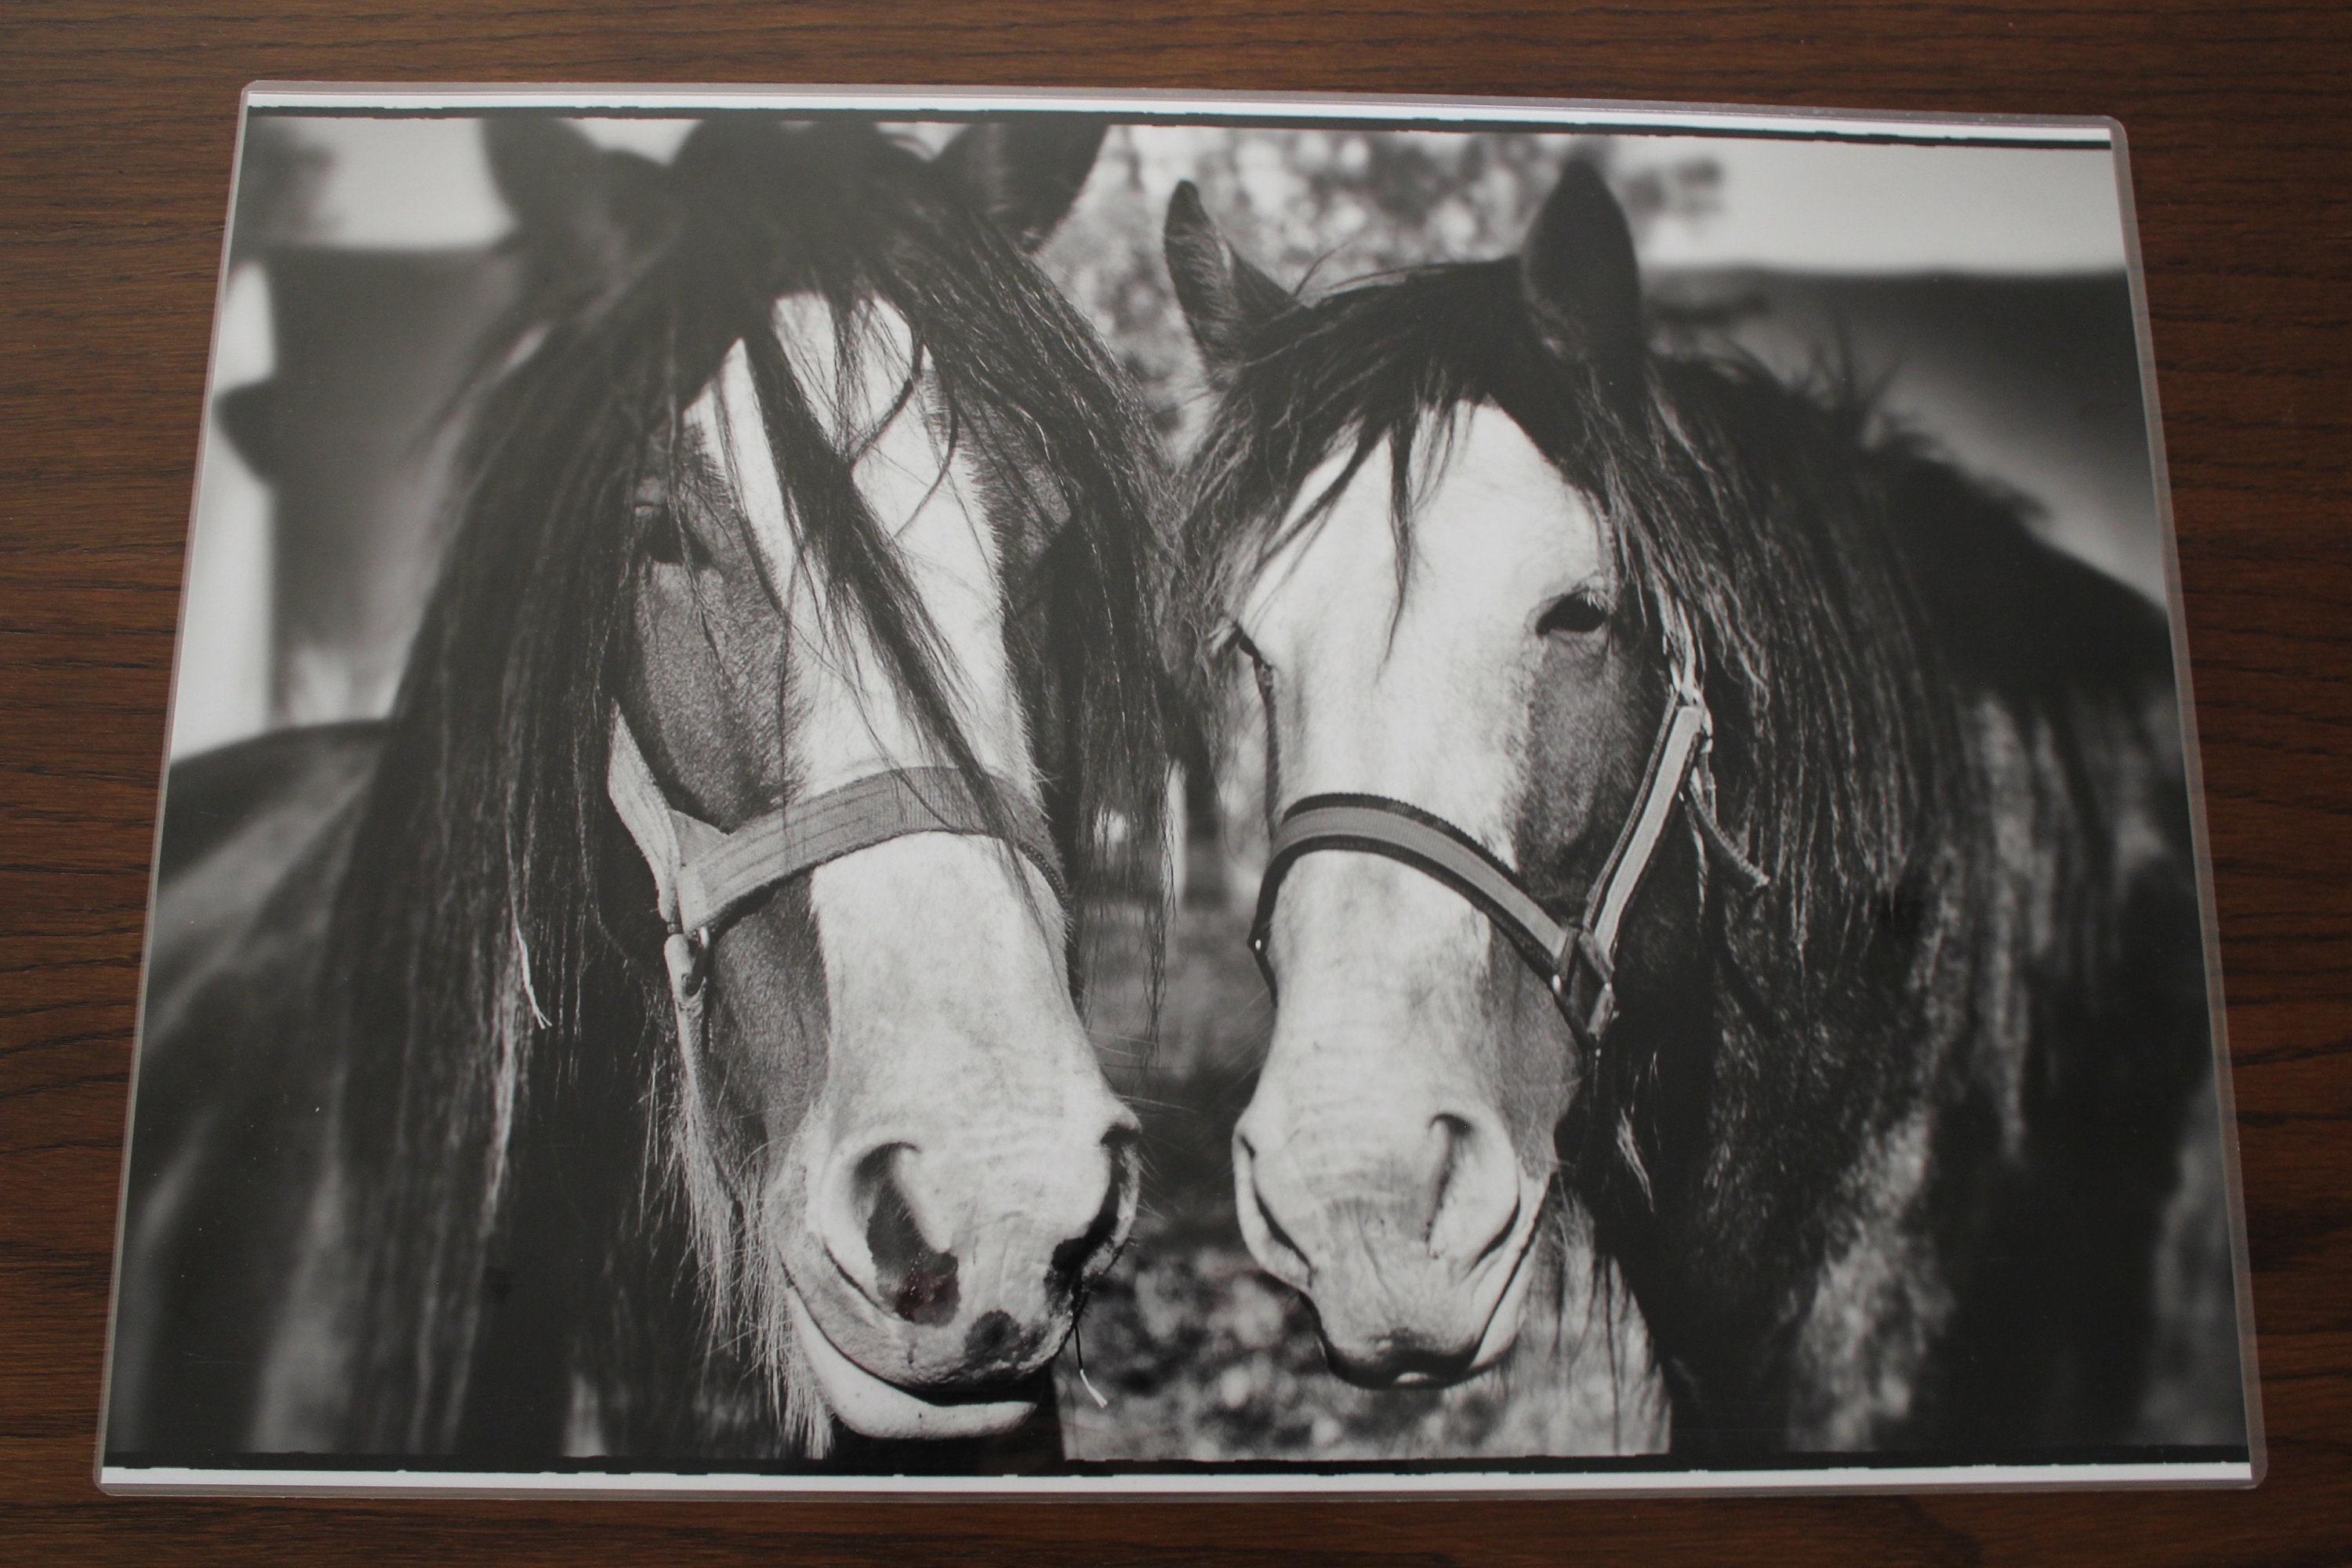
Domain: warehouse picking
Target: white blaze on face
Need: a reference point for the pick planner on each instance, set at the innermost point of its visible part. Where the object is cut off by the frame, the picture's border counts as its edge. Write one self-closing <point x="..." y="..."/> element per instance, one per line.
<point x="1428" y="704"/>
<point x="1377" y="1166"/>
<point x="849" y="722"/>
<point x="954" y="1039"/>
<point x="905" y="946"/>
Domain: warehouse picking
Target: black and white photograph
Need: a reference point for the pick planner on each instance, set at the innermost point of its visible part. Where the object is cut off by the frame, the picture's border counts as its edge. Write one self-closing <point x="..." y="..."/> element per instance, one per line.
<point x="1016" y="794"/>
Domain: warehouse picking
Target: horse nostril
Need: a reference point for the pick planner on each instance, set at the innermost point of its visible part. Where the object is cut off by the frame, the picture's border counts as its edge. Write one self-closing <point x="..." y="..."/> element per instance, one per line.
<point x="1453" y="1135"/>
<point x="992" y="1339"/>
<point x="1090" y="1251"/>
<point x="1474" y="1194"/>
<point x="912" y="1278"/>
<point x="1289" y="1250"/>
<point x="1268" y="1241"/>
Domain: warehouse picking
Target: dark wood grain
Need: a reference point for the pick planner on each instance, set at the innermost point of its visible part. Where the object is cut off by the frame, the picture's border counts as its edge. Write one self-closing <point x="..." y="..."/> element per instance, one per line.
<point x="116" y="122"/>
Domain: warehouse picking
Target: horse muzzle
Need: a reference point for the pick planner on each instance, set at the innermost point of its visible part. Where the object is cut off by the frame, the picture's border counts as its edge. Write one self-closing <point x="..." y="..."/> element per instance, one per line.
<point x="1410" y="1238"/>
<point x="935" y="1279"/>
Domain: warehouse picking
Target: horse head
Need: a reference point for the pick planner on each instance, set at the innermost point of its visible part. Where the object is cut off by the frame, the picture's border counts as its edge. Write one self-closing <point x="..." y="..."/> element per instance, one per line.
<point x="806" y="509"/>
<point x="1398" y="530"/>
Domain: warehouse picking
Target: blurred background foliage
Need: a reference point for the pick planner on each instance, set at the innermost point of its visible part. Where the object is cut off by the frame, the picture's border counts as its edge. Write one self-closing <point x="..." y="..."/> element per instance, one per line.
<point x="1315" y="209"/>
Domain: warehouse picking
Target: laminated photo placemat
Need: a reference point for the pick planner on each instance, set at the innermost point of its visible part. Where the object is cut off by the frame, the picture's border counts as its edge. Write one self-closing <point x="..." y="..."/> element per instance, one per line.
<point x="892" y="791"/>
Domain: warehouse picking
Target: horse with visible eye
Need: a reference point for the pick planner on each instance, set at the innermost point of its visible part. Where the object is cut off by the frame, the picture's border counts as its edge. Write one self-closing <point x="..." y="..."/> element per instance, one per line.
<point x="1717" y="853"/>
<point x="660" y="1037"/>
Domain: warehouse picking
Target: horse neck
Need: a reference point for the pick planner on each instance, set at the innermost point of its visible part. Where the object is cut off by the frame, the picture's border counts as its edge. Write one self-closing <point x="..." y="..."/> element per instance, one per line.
<point x="1784" y="1235"/>
<point x="1583" y="1377"/>
<point x="1691" y="1096"/>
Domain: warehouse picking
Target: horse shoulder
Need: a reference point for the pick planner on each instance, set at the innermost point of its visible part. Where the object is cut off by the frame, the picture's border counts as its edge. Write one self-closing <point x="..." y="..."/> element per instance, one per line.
<point x="233" y="1084"/>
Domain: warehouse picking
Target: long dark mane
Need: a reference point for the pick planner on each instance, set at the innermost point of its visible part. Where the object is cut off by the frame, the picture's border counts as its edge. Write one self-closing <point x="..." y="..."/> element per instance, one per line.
<point x="493" y="945"/>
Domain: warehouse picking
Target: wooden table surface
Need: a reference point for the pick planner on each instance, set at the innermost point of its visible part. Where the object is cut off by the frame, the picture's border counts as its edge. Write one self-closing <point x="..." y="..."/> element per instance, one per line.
<point x="116" y="122"/>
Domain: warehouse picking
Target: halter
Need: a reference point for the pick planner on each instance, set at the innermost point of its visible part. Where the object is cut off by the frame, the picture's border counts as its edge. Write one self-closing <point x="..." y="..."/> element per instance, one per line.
<point x="1578" y="963"/>
<point x="703" y="876"/>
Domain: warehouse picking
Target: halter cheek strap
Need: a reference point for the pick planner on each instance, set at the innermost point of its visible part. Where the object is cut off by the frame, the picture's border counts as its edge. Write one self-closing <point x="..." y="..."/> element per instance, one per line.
<point x="1579" y="962"/>
<point x="703" y="876"/>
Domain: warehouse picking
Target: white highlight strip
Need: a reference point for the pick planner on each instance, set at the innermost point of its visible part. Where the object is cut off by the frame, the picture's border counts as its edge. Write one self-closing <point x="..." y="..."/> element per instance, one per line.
<point x="1559" y="114"/>
<point x="1306" y="1483"/>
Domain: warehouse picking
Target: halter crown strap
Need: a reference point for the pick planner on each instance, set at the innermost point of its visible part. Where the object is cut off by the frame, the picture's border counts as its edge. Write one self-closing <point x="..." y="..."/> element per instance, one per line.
<point x="1578" y="963"/>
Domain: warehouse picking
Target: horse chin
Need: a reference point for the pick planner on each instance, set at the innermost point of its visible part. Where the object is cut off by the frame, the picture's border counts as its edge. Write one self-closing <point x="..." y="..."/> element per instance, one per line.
<point x="1501" y="1327"/>
<point x="875" y="1407"/>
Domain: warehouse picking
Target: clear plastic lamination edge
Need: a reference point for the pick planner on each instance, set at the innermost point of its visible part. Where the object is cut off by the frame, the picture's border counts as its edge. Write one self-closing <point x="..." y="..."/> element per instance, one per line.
<point x="1566" y="113"/>
<point x="162" y="787"/>
<point x="2090" y="133"/>
<point x="2201" y="836"/>
<point x="163" y="1482"/>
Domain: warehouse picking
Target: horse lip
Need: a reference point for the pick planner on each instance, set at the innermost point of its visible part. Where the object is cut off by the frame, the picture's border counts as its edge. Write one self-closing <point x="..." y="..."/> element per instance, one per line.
<point x="971" y="1390"/>
<point x="1420" y="1369"/>
<point x="874" y="1406"/>
<point x="1506" y="1273"/>
<point x="979" y="1385"/>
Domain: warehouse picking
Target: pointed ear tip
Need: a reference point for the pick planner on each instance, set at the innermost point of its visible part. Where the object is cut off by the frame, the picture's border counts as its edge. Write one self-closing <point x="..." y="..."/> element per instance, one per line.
<point x="1081" y="147"/>
<point x="528" y="153"/>
<point x="1186" y="219"/>
<point x="1582" y="189"/>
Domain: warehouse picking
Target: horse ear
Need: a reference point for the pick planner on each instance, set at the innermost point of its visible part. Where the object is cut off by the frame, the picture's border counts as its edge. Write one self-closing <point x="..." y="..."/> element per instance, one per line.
<point x="1025" y="172"/>
<point x="1580" y="281"/>
<point x="1226" y="298"/>
<point x="579" y="213"/>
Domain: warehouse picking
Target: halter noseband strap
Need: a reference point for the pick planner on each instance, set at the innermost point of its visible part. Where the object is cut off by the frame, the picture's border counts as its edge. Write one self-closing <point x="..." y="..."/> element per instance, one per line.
<point x="1577" y="963"/>
<point x="702" y="876"/>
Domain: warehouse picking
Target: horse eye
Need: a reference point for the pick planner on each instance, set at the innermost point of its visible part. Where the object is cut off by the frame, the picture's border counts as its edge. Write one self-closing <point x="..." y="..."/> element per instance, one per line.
<point x="1573" y="614"/>
<point x="660" y="531"/>
<point x="667" y="540"/>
